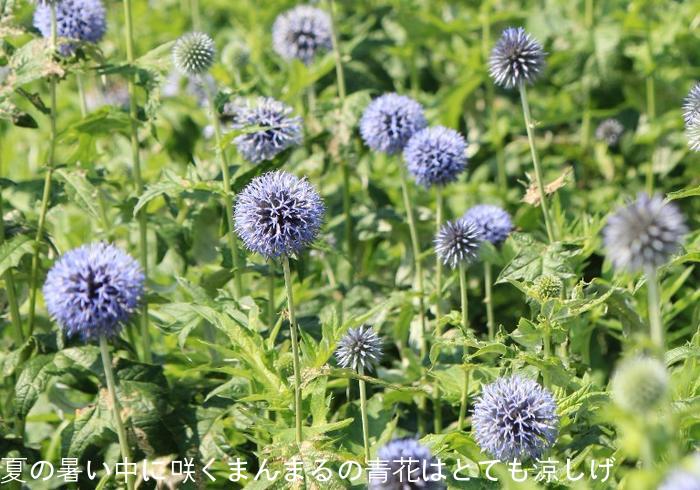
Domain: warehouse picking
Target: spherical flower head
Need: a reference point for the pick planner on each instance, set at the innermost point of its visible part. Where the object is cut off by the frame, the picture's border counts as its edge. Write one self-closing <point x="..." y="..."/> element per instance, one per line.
<point x="458" y="242"/>
<point x="547" y="287"/>
<point x="681" y="480"/>
<point x="278" y="214"/>
<point x="517" y="58"/>
<point x="302" y="33"/>
<point x="360" y="349"/>
<point x="640" y="384"/>
<point x="609" y="131"/>
<point x="436" y="156"/>
<point x="407" y="465"/>
<point x="691" y="106"/>
<point x="515" y="418"/>
<point x="193" y="53"/>
<point x="493" y="222"/>
<point x="644" y="234"/>
<point x="278" y="129"/>
<point x="692" y="133"/>
<point x="93" y="290"/>
<point x="80" y="20"/>
<point x="389" y="121"/>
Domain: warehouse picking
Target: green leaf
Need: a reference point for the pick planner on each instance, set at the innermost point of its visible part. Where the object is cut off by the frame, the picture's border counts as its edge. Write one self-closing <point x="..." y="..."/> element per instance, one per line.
<point x="12" y="251"/>
<point x="91" y="427"/>
<point x="81" y="191"/>
<point x="687" y="192"/>
<point x="31" y="383"/>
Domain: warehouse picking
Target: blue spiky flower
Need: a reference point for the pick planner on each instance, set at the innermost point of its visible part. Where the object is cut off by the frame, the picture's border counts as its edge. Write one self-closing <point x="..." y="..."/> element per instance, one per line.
<point x="389" y="121"/>
<point x="681" y="479"/>
<point x="93" y="290"/>
<point x="644" y="234"/>
<point x="609" y="131"/>
<point x="277" y="128"/>
<point x="691" y="105"/>
<point x="407" y="465"/>
<point x="493" y="222"/>
<point x="458" y="242"/>
<point x="436" y="156"/>
<point x="278" y="214"/>
<point x="515" y="418"/>
<point x="360" y="349"/>
<point x="80" y="20"/>
<point x="516" y="58"/>
<point x="193" y="53"/>
<point x="302" y="33"/>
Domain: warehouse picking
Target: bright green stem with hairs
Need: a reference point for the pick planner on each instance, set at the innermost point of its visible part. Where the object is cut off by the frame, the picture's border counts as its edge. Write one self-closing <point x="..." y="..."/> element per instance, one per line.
<point x="488" y="299"/>
<point x="46" y="195"/>
<point x="529" y="126"/>
<point x="136" y="162"/>
<point x="116" y="409"/>
<point x="437" y="403"/>
<point x="655" y="324"/>
<point x="363" y="411"/>
<point x="465" y="329"/>
<point x="271" y="313"/>
<point x="464" y="399"/>
<point x="228" y="201"/>
<point x="295" y="350"/>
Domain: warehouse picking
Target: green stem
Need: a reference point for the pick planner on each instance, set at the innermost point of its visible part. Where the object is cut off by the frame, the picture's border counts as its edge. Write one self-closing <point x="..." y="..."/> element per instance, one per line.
<point x="228" y="201"/>
<point x="271" y="297"/>
<point x="116" y="408"/>
<point x="136" y="162"/>
<point x="655" y="324"/>
<point x="196" y="15"/>
<point x="488" y="299"/>
<point x="363" y="411"/>
<point x="9" y="279"/>
<point x="463" y="400"/>
<point x="437" y="402"/>
<point x="81" y="95"/>
<point x="463" y="297"/>
<point x="651" y="99"/>
<point x="295" y="349"/>
<point x="529" y="126"/>
<point x="46" y="195"/>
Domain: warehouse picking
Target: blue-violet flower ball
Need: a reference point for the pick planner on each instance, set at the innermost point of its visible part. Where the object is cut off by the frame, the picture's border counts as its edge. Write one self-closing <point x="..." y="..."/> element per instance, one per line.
<point x="360" y="349"/>
<point x="458" y="242"/>
<point x="389" y="121"/>
<point x="302" y="33"/>
<point x="278" y="214"/>
<point x="436" y="156"/>
<point x="609" y="131"/>
<point x="681" y="480"/>
<point x="80" y="20"/>
<point x="516" y="58"/>
<point x="515" y="418"/>
<point x="406" y="465"/>
<point x="493" y="222"/>
<point x="691" y="105"/>
<point x="92" y="290"/>
<point x="278" y="129"/>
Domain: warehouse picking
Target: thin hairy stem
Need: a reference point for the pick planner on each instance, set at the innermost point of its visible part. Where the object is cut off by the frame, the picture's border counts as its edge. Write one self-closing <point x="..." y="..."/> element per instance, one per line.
<point x="295" y="350"/>
<point x="363" y="411"/>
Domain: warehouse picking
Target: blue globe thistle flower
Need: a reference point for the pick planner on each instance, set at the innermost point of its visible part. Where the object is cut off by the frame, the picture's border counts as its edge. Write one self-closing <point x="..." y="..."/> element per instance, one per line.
<point x="278" y="132"/>
<point x="407" y="465"/>
<point x="389" y="121"/>
<point x="691" y="106"/>
<point x="609" y="131"/>
<point x="458" y="242"/>
<point x="81" y="20"/>
<point x="278" y="214"/>
<point x="436" y="156"/>
<point x="302" y="33"/>
<point x="644" y="233"/>
<point x="493" y="222"/>
<point x="681" y="480"/>
<point x="193" y="53"/>
<point x="515" y="418"/>
<point x="359" y="349"/>
<point x="92" y="291"/>
<point x="692" y="133"/>
<point x="516" y="58"/>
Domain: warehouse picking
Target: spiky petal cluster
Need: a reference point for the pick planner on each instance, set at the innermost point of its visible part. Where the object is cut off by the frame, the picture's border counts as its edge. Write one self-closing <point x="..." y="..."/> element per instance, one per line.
<point x="406" y="465"/>
<point x="691" y="116"/>
<point x="278" y="130"/>
<point x="609" y="131"/>
<point x="639" y="384"/>
<point x="389" y="121"/>
<point x="359" y="349"/>
<point x="516" y="58"/>
<point x="91" y="291"/>
<point x="493" y="222"/>
<point x="81" y="20"/>
<point x="436" y="156"/>
<point x="302" y="33"/>
<point x="458" y="242"/>
<point x="193" y="53"/>
<point x="515" y="418"/>
<point x="547" y="287"/>
<point x="681" y="480"/>
<point x="644" y="234"/>
<point x="278" y="214"/>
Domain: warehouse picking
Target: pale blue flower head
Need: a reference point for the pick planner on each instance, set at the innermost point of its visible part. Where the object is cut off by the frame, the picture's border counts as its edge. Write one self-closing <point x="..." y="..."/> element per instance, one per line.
<point x="193" y="53"/>
<point x="302" y="33"/>
<point x="436" y="156"/>
<point x="609" y="131"/>
<point x="93" y="290"/>
<point x="516" y="58"/>
<point x="493" y="222"/>
<point x="407" y="465"/>
<point x="458" y="242"/>
<point x="80" y="20"/>
<point x="681" y="480"/>
<point x="359" y="349"/>
<point x="389" y="121"/>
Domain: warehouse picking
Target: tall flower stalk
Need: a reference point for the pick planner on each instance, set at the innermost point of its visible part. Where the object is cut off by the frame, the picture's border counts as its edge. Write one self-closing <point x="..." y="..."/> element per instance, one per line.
<point x="293" y="333"/>
<point x="464" y="302"/>
<point x="437" y="404"/>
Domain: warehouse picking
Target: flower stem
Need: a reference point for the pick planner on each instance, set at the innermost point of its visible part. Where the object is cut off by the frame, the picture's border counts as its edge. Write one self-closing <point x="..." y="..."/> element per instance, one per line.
<point x="437" y="402"/>
<point x="9" y="279"/>
<point x="136" y="162"/>
<point x="46" y="195"/>
<point x="295" y="349"/>
<point x="529" y="126"/>
<point x="463" y="297"/>
<point x="463" y="400"/>
<point x="656" y="326"/>
<point x="228" y="201"/>
<point x="488" y="299"/>
<point x="81" y="95"/>
<point x="196" y="15"/>
<point x="271" y="296"/>
<point x="116" y="409"/>
<point x="363" y="411"/>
